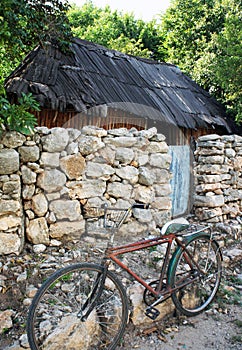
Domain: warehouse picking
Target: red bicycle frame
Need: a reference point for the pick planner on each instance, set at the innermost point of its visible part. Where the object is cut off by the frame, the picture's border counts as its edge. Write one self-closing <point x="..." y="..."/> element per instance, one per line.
<point x="112" y="253"/>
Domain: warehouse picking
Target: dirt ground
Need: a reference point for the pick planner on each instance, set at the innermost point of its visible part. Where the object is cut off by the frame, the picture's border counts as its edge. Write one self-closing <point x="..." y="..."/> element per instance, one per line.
<point x="210" y="330"/>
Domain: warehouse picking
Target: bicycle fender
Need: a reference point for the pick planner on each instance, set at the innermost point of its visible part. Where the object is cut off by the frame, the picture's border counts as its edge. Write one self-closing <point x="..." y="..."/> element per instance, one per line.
<point x="179" y="250"/>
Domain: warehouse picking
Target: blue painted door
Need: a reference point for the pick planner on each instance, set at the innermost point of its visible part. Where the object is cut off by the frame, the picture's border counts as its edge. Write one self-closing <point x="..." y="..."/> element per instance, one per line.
<point x="182" y="180"/>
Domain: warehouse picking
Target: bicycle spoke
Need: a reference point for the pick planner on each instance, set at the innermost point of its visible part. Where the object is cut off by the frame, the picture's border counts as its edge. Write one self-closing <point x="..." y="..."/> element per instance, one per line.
<point x="54" y="313"/>
<point x="196" y="283"/>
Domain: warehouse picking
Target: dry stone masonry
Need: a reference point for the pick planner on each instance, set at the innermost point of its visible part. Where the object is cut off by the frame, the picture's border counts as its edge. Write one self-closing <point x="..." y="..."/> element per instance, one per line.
<point x="218" y="178"/>
<point x="49" y="179"/>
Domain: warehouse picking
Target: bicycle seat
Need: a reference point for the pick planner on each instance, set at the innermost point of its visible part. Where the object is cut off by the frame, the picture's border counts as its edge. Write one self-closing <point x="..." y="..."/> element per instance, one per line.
<point x="175" y="226"/>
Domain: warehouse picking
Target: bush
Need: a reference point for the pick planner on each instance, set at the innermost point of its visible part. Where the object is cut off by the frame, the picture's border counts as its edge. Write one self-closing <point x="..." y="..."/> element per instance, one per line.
<point x="18" y="117"/>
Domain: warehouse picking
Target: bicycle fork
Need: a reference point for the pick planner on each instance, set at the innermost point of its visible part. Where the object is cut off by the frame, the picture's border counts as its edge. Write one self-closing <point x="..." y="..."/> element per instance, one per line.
<point x="94" y="295"/>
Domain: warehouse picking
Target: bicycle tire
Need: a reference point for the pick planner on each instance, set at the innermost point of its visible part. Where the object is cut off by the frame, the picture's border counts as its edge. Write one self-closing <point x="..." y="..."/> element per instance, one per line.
<point x="53" y="321"/>
<point x="199" y="289"/>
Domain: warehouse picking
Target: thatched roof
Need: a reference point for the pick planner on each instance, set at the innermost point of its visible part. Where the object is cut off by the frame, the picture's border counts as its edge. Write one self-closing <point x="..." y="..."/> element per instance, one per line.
<point x="92" y="75"/>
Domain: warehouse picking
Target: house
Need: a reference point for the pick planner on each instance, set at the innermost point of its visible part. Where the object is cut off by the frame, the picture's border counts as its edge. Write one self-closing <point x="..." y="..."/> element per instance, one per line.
<point x="93" y="85"/>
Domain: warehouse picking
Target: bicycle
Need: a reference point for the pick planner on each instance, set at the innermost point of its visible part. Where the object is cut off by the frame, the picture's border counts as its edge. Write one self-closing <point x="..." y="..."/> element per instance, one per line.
<point x="85" y="305"/>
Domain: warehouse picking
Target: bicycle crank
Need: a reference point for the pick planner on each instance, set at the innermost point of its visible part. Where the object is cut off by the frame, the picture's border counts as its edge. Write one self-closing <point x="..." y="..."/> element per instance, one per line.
<point x="148" y="297"/>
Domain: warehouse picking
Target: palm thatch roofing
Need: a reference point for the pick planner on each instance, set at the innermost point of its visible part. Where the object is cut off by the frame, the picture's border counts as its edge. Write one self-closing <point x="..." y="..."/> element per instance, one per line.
<point x="91" y="75"/>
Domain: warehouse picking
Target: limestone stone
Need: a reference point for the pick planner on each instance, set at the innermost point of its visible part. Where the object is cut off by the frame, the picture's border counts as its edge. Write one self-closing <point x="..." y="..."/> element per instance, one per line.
<point x="229" y="152"/>
<point x="39" y="204"/>
<point x="232" y="209"/>
<point x="124" y="155"/>
<point x="13" y="139"/>
<point x="162" y="190"/>
<point x="37" y="231"/>
<point x="208" y="187"/>
<point x="9" y="161"/>
<point x="97" y="170"/>
<point x="148" y="133"/>
<point x="146" y="176"/>
<point x="209" y="151"/>
<point x="89" y="144"/>
<point x="28" y="191"/>
<point x="161" y="217"/>
<point x="142" y="159"/>
<point x="211" y="137"/>
<point x="11" y="187"/>
<point x="157" y="147"/>
<point x="10" y="243"/>
<point x="9" y="221"/>
<point x="9" y="206"/>
<point x="162" y="203"/>
<point x="143" y="215"/>
<point x="210" y="179"/>
<point x="162" y="176"/>
<point x="73" y="166"/>
<point x="136" y="296"/>
<point x="39" y="248"/>
<point x="119" y="190"/>
<point x="94" y="131"/>
<point x="34" y="166"/>
<point x="51" y="180"/>
<point x="211" y="144"/>
<point x="160" y="160"/>
<point x="67" y="230"/>
<point x="6" y="321"/>
<point x="72" y="148"/>
<point x="122" y="141"/>
<point x="69" y="333"/>
<point x="56" y="141"/>
<point x="129" y="173"/>
<point x="29" y="154"/>
<point x="107" y="154"/>
<point x="66" y="209"/>
<point x="209" y="201"/>
<point x="143" y="194"/>
<point x="206" y="214"/>
<point x="133" y="229"/>
<point x="215" y="159"/>
<point x="73" y="134"/>
<point x="88" y="189"/>
<point x="51" y="160"/>
<point x="30" y="214"/>
<point x="28" y="176"/>
<point x="118" y="132"/>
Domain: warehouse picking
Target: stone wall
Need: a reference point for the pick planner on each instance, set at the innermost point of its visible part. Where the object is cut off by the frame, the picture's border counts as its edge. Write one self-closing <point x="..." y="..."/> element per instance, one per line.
<point x="48" y="180"/>
<point x="218" y="192"/>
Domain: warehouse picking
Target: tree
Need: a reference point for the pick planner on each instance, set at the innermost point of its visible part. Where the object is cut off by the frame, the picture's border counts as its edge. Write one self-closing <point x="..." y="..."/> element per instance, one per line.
<point x="220" y="66"/>
<point x="23" y="25"/>
<point x="32" y="22"/>
<point x="203" y="37"/>
<point x="115" y="30"/>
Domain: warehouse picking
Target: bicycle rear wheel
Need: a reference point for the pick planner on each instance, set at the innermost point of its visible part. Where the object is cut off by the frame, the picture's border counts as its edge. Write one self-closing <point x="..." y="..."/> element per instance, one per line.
<point x="54" y="320"/>
<point x="197" y="283"/>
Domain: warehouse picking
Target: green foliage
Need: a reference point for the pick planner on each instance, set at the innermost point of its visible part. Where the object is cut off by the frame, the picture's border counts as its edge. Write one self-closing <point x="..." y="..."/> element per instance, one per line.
<point x="115" y="30"/>
<point x="18" y="116"/>
<point x="33" y="22"/>
<point x="203" y="37"/>
<point x="23" y="25"/>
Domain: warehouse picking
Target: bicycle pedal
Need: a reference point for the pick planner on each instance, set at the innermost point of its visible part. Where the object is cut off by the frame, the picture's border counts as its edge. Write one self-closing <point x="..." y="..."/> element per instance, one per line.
<point x="152" y="312"/>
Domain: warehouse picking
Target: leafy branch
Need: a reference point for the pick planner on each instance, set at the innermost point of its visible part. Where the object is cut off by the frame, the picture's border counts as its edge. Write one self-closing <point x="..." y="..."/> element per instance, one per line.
<point x="18" y="117"/>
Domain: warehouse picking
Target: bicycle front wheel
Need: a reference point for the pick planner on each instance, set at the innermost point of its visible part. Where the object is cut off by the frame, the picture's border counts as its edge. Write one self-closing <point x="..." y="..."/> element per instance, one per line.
<point x="195" y="274"/>
<point x="55" y="322"/>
